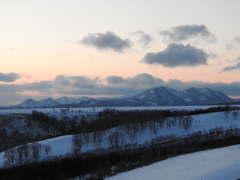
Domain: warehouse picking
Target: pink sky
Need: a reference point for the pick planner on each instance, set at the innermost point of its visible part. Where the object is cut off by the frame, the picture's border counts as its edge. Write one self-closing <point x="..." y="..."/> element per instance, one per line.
<point x="186" y="40"/>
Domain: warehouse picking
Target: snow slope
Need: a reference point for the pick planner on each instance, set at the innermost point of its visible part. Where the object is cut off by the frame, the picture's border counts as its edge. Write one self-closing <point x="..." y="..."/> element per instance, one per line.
<point x="204" y="122"/>
<point x="216" y="164"/>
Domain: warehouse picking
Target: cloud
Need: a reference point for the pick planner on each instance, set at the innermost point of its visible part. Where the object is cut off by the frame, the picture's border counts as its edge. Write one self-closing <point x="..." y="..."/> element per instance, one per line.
<point x="75" y="81"/>
<point x="237" y="40"/>
<point x="233" y="43"/>
<point x="232" y="68"/>
<point x="38" y="86"/>
<point x="236" y="66"/>
<point x="145" y="39"/>
<point x="73" y="86"/>
<point x="187" y="32"/>
<point x="11" y="88"/>
<point x="107" y="41"/>
<point x="9" y="77"/>
<point x="230" y="46"/>
<point x="114" y="80"/>
<point x="12" y="49"/>
<point x="142" y="80"/>
<point x="176" y="55"/>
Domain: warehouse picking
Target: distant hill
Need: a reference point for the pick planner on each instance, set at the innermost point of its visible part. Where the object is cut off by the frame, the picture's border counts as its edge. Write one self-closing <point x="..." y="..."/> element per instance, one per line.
<point x="157" y="96"/>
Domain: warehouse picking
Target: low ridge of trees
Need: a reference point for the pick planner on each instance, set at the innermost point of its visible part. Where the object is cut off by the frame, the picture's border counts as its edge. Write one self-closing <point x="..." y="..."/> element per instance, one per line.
<point x="25" y="154"/>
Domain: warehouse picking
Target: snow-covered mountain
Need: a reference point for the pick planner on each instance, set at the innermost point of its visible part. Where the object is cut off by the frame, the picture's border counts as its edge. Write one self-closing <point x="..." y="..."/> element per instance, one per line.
<point x="203" y="96"/>
<point x="29" y="103"/>
<point x="157" y="96"/>
<point x="164" y="96"/>
<point x="48" y="102"/>
<point x="66" y="100"/>
<point x="70" y="100"/>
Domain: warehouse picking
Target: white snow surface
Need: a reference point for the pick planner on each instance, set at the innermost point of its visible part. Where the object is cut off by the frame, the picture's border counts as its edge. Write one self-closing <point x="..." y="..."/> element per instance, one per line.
<point x="216" y="164"/>
<point x="97" y="109"/>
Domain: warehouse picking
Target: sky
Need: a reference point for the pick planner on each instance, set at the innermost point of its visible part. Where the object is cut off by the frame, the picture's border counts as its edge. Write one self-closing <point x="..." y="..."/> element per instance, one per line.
<point x="112" y="48"/>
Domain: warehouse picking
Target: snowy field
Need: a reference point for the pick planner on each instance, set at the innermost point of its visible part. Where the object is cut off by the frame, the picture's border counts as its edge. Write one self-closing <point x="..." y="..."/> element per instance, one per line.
<point x="204" y="122"/>
<point x="97" y="109"/>
<point x="216" y="164"/>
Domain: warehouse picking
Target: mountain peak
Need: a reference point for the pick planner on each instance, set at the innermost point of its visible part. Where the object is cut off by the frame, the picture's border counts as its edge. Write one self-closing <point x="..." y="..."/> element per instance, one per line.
<point x="156" y="96"/>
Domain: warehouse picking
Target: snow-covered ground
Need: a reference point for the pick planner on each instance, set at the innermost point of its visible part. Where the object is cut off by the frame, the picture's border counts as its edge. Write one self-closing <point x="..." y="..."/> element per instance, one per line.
<point x="97" y="109"/>
<point x="216" y="164"/>
<point x="204" y="122"/>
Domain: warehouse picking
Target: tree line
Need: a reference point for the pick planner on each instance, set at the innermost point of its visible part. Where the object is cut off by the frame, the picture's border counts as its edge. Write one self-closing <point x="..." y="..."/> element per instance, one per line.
<point x="25" y="154"/>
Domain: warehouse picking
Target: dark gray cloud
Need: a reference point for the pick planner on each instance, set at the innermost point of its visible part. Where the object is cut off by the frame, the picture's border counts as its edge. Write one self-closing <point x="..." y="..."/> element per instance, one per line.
<point x="142" y="80"/>
<point x="64" y="81"/>
<point x="234" y="67"/>
<point x="145" y="39"/>
<point x="187" y="32"/>
<point x="39" y="86"/>
<point x="114" y="80"/>
<point x="107" y="41"/>
<point x="177" y="55"/>
<point x="11" y="88"/>
<point x="9" y="77"/>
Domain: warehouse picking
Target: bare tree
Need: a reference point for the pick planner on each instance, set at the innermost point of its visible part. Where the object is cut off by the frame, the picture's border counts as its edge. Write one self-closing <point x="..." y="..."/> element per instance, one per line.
<point x="20" y="155"/>
<point x="97" y="138"/>
<point x="87" y="137"/>
<point x="10" y="156"/>
<point x="226" y="113"/>
<point x="77" y="143"/>
<point x="116" y="139"/>
<point x="235" y="114"/>
<point x="161" y="121"/>
<point x="169" y="122"/>
<point x="131" y="129"/>
<point x="111" y="140"/>
<point x="36" y="149"/>
<point x="187" y="123"/>
<point x="47" y="148"/>
<point x="25" y="149"/>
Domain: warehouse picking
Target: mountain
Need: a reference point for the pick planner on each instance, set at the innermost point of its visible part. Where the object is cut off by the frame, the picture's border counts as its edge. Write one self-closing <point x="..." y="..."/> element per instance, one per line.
<point x="164" y="96"/>
<point x="29" y="103"/>
<point x="66" y="100"/>
<point x="48" y="102"/>
<point x="157" y="96"/>
<point x="201" y="96"/>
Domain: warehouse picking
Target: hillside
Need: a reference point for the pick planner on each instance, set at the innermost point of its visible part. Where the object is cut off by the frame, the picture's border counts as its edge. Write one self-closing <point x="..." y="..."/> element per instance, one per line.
<point x="205" y="122"/>
<point x="150" y="135"/>
<point x="216" y="164"/>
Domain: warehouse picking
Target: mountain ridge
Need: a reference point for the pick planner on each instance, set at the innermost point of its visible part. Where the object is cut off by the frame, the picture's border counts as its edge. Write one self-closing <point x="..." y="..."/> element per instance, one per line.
<point x="156" y="96"/>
